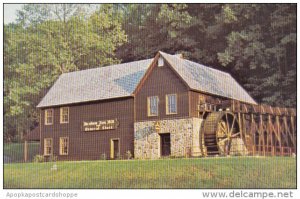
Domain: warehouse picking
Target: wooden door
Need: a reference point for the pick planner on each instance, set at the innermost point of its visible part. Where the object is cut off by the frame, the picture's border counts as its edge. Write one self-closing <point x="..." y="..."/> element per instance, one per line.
<point x="115" y="149"/>
<point x="165" y="144"/>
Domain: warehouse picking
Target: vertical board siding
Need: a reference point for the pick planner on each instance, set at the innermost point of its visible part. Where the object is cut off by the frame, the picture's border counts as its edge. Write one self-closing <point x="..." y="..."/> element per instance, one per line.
<point x="162" y="81"/>
<point x="91" y="145"/>
<point x="194" y="101"/>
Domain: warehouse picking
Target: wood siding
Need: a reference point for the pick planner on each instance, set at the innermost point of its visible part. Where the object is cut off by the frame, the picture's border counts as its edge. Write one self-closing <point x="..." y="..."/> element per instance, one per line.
<point x="162" y="81"/>
<point x="91" y="145"/>
<point x="194" y="101"/>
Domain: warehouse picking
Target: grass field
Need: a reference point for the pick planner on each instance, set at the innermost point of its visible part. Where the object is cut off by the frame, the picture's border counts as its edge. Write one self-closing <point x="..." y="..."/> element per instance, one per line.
<point x="15" y="151"/>
<point x="234" y="172"/>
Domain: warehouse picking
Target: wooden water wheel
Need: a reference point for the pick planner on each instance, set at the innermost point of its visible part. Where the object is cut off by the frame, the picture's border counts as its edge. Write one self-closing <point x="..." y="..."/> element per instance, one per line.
<point x="218" y="131"/>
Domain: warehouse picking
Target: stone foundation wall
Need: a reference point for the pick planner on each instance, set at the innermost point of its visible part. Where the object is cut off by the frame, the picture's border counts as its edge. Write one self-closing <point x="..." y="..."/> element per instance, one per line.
<point x="184" y="135"/>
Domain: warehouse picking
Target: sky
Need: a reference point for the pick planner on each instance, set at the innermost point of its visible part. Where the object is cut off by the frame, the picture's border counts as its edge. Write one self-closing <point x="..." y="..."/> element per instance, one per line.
<point x="10" y="12"/>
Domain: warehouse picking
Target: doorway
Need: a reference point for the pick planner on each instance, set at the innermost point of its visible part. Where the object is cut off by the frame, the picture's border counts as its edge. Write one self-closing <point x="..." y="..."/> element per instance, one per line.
<point x="165" y="143"/>
<point x="114" y="148"/>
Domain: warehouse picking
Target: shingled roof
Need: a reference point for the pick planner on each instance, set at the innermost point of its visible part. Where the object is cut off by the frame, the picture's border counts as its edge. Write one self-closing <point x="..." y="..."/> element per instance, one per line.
<point x="96" y="84"/>
<point x="122" y="79"/>
<point x="208" y="80"/>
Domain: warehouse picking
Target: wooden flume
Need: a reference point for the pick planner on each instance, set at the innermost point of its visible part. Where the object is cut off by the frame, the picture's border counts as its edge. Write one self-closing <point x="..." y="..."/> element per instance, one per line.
<point x="265" y="130"/>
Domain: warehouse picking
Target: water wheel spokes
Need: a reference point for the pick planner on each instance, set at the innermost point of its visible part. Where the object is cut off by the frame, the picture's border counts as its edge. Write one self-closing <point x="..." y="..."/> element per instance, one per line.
<point x="218" y="130"/>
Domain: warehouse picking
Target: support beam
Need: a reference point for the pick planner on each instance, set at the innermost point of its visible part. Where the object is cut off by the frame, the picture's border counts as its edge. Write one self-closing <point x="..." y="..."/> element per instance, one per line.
<point x="265" y="130"/>
<point x="25" y="151"/>
<point x="294" y="132"/>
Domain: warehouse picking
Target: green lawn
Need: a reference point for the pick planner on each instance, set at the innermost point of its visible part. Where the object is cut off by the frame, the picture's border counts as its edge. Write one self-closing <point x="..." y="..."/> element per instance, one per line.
<point x="15" y="151"/>
<point x="234" y="172"/>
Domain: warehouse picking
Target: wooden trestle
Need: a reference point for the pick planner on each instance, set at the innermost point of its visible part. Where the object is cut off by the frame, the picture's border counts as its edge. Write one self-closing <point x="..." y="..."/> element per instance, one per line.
<point x="265" y="130"/>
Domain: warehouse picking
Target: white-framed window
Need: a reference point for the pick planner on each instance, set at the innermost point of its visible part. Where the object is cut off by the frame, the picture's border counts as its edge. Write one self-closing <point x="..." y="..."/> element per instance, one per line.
<point x="48" y="146"/>
<point x="171" y="104"/>
<point x="64" y="115"/>
<point x="63" y="146"/>
<point x="160" y="62"/>
<point x="152" y="106"/>
<point x="49" y="116"/>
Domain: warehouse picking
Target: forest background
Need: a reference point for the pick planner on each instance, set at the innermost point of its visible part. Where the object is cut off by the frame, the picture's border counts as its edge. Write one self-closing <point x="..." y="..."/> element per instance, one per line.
<point x="256" y="43"/>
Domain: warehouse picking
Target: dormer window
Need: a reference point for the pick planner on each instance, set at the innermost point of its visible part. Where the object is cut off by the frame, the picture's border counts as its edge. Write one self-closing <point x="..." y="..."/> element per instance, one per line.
<point x="160" y="62"/>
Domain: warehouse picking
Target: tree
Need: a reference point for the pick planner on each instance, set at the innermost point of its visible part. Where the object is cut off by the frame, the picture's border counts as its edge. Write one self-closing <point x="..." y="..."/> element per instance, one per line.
<point x="153" y="27"/>
<point x="264" y="51"/>
<point x="37" y="52"/>
<point x="31" y="14"/>
<point x="256" y="43"/>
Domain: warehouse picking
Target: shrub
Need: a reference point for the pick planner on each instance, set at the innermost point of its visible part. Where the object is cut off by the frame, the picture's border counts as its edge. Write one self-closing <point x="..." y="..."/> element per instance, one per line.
<point x="128" y="155"/>
<point x="38" y="158"/>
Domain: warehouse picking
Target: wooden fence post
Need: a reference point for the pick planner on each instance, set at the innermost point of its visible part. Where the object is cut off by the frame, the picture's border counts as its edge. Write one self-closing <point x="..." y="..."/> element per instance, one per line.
<point x="25" y="151"/>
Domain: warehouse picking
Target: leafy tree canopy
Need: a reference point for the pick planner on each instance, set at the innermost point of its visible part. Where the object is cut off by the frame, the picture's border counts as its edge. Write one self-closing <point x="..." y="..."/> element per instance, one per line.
<point x="40" y="47"/>
<point x="256" y="43"/>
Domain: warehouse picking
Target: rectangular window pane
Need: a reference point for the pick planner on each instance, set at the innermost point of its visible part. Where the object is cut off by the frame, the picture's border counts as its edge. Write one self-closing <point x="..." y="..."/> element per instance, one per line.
<point x="156" y="105"/>
<point x="48" y="146"/>
<point x="64" y="145"/>
<point x="64" y="115"/>
<point x="153" y="105"/>
<point x="172" y="104"/>
<point x="48" y="116"/>
<point x="171" y="97"/>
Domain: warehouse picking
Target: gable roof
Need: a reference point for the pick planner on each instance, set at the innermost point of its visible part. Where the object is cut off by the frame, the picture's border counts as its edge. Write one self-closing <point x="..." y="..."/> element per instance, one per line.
<point x="121" y="80"/>
<point x="96" y="84"/>
<point x="208" y="80"/>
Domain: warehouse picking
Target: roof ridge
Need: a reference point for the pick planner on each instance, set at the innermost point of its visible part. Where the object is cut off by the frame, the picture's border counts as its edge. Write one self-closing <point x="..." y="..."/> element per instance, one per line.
<point x="105" y="67"/>
<point x="96" y="84"/>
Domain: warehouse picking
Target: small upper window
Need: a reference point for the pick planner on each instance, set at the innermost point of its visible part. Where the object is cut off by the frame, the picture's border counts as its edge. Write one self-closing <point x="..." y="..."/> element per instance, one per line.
<point x="152" y="104"/>
<point x="171" y="104"/>
<point x="160" y="62"/>
<point x="64" y="115"/>
<point x="48" y="116"/>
